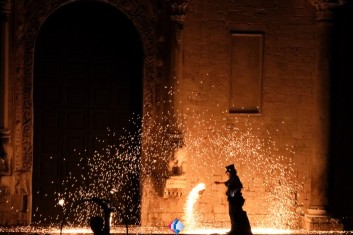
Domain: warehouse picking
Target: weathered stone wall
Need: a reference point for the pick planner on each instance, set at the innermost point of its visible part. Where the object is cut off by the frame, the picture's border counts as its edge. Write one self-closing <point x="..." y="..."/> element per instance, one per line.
<point x="203" y="105"/>
<point x="271" y="149"/>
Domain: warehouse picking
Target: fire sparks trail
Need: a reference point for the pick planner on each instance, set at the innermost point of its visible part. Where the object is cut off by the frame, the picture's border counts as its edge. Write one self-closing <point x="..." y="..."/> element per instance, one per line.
<point x="208" y="144"/>
<point x="190" y="218"/>
<point x="257" y="159"/>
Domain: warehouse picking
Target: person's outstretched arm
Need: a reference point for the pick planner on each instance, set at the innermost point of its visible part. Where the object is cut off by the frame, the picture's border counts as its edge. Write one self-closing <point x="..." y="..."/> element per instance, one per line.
<point x="220" y="182"/>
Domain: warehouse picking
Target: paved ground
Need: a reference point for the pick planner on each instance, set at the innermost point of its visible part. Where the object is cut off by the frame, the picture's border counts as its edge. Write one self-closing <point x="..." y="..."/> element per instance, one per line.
<point x="155" y="231"/>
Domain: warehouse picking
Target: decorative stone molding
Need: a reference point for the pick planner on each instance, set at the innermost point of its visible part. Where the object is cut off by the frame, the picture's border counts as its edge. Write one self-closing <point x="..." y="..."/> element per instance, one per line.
<point x="325" y="8"/>
<point x="174" y="187"/>
<point x="5" y="152"/>
<point x="5" y="6"/>
<point x="21" y="183"/>
<point x="31" y="15"/>
<point x="179" y="9"/>
<point x="5" y="133"/>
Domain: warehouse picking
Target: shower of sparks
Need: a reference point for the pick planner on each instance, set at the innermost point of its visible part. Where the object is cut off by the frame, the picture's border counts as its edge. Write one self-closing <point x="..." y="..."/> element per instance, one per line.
<point x="189" y="217"/>
<point x="108" y="172"/>
<point x="146" y="153"/>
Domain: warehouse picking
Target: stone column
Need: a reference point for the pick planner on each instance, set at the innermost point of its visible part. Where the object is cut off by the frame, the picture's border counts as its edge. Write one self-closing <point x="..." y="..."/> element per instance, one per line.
<point x="5" y="133"/>
<point x="176" y="181"/>
<point x="5" y="9"/>
<point x="317" y="217"/>
<point x="178" y="11"/>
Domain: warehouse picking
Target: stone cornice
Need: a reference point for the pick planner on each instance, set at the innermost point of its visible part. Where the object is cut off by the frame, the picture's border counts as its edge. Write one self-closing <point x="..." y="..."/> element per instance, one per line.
<point x="325" y="8"/>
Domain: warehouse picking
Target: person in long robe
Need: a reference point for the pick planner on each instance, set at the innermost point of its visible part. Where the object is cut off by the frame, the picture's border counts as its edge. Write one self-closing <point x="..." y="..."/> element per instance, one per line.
<point x="240" y="224"/>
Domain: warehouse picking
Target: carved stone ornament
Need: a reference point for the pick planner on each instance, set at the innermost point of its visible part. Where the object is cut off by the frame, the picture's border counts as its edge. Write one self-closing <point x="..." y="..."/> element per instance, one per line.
<point x="21" y="183"/>
<point x="174" y="187"/>
<point x="5" y="6"/>
<point x="5" y="152"/>
<point x="5" y="163"/>
<point x="179" y="10"/>
<point x="31" y="15"/>
<point x="325" y="8"/>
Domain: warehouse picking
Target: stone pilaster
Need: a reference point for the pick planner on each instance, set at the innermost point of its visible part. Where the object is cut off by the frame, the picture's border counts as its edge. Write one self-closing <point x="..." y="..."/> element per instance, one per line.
<point x="5" y="133"/>
<point x="317" y="217"/>
<point x="178" y="16"/>
<point x="178" y="13"/>
<point x="5" y="9"/>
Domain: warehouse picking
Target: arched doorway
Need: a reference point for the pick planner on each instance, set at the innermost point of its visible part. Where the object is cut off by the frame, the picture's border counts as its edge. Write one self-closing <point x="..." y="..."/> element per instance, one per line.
<point x="87" y="79"/>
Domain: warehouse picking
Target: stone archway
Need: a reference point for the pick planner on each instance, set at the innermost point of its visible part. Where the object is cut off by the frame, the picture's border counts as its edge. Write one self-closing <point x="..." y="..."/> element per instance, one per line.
<point x="36" y="12"/>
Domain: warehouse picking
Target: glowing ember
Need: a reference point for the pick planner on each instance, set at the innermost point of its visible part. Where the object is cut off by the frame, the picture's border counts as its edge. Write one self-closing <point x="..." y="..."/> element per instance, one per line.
<point x="61" y="202"/>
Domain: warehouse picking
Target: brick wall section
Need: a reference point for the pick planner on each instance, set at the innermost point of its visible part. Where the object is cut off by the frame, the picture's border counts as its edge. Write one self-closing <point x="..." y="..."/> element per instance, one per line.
<point x="287" y="99"/>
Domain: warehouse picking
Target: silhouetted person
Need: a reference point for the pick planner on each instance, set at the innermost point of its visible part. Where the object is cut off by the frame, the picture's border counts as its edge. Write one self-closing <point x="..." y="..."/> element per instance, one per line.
<point x="239" y="220"/>
<point x="99" y="225"/>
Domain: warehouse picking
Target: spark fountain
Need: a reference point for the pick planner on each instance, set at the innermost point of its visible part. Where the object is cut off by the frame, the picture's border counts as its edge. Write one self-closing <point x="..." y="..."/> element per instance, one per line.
<point x="257" y="159"/>
<point x="190" y="217"/>
<point x="271" y="187"/>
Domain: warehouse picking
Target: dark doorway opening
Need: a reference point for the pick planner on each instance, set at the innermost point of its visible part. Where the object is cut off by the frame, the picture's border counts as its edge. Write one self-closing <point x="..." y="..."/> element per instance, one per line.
<point x="87" y="80"/>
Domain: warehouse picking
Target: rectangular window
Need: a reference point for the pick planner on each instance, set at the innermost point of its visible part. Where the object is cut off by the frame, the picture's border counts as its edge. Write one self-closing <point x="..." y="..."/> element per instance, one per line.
<point x="246" y="73"/>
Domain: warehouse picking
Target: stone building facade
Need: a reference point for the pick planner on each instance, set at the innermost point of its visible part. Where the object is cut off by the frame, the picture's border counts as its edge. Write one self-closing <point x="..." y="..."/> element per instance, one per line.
<point x="244" y="82"/>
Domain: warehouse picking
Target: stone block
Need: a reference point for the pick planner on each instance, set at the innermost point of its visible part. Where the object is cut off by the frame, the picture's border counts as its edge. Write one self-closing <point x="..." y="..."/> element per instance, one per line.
<point x="321" y="223"/>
